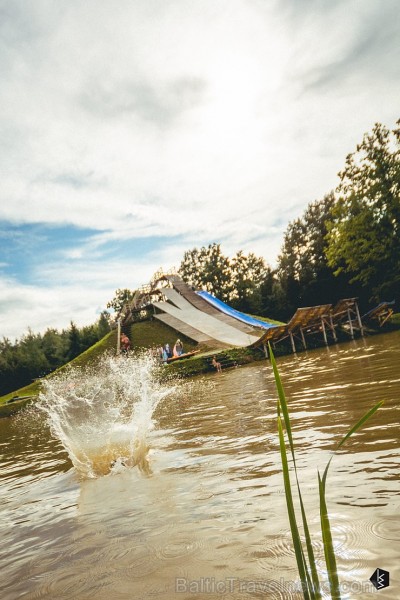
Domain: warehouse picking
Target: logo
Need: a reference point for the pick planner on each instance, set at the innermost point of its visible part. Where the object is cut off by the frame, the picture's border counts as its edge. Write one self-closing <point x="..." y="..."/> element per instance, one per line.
<point x="380" y="579"/>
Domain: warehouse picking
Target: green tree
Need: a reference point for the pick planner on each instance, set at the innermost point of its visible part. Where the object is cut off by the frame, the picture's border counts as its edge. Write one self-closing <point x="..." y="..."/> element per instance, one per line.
<point x="209" y="269"/>
<point x="54" y="346"/>
<point x="302" y="256"/>
<point x="191" y="267"/>
<point x="303" y="269"/>
<point x="273" y="298"/>
<point x="103" y="324"/>
<point x="248" y="274"/>
<point x="74" y="341"/>
<point x="364" y="237"/>
<point x="121" y="297"/>
<point x="88" y="336"/>
<point x="31" y="361"/>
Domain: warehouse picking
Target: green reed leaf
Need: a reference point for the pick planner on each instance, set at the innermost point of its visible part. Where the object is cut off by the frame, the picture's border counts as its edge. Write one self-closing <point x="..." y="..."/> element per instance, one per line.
<point x="282" y="401"/>
<point x="330" y="558"/>
<point x="283" y="407"/>
<point x="298" y="549"/>
<point x="315" y="586"/>
<point x="360" y="422"/>
<point x="355" y="427"/>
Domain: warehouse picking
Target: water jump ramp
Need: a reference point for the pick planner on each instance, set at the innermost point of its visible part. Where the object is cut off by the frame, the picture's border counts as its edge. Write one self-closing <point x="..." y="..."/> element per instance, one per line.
<point x="203" y="318"/>
<point x="183" y="290"/>
<point x="206" y="324"/>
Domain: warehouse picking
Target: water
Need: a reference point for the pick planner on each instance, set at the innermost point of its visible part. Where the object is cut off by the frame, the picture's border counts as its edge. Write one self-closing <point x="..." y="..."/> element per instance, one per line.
<point x="144" y="490"/>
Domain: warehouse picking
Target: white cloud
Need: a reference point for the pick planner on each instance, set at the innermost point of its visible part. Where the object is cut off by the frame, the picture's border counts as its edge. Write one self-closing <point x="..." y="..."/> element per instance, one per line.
<point x="212" y="121"/>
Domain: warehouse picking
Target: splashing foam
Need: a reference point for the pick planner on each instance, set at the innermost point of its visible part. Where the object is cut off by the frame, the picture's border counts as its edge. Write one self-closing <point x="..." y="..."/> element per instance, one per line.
<point x="103" y="415"/>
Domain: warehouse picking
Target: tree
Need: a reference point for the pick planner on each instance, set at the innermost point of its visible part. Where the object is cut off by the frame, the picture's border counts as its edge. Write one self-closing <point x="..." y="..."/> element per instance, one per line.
<point x="209" y="269"/>
<point x="303" y="269"/>
<point x="191" y="267"/>
<point x="74" y="341"/>
<point x="88" y="336"/>
<point x="121" y="297"/>
<point x="55" y="347"/>
<point x="103" y="324"/>
<point x="363" y="233"/>
<point x="31" y="361"/>
<point x="302" y="256"/>
<point x="248" y="273"/>
<point x="235" y="280"/>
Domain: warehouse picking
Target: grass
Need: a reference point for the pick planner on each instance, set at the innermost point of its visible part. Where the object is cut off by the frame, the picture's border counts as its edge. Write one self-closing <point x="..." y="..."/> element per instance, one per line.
<point x="153" y="333"/>
<point x="267" y="320"/>
<point x="395" y="319"/>
<point x="304" y="553"/>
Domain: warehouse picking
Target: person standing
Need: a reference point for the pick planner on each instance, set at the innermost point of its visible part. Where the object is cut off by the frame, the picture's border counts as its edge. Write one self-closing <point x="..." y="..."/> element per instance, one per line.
<point x="125" y="343"/>
<point x="178" y="348"/>
<point x="216" y="364"/>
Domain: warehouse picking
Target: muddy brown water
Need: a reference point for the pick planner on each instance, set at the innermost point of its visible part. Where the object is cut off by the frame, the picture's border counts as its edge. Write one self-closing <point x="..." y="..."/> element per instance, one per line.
<point x="210" y="519"/>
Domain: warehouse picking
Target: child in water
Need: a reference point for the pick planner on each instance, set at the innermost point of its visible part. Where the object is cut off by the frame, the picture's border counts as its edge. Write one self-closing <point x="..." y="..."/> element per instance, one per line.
<point x="216" y="364"/>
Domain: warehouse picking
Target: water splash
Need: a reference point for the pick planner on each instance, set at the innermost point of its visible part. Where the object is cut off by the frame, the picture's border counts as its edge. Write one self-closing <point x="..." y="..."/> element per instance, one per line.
<point x="103" y="414"/>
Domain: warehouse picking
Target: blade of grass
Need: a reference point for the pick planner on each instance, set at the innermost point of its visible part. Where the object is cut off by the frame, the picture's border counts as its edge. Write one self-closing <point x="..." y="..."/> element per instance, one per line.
<point x="355" y="427"/>
<point x="330" y="558"/>
<point x="300" y="559"/>
<point x="282" y="401"/>
<point x="360" y="422"/>
<point x="283" y="407"/>
<point x="329" y="551"/>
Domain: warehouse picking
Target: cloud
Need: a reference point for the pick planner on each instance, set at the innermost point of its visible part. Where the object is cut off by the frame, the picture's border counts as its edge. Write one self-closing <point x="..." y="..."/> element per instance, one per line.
<point x="25" y="307"/>
<point x="153" y="127"/>
<point x="161" y="105"/>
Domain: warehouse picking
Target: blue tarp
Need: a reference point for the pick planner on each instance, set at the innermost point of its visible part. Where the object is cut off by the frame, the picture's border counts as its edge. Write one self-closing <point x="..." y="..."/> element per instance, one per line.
<point x="236" y="314"/>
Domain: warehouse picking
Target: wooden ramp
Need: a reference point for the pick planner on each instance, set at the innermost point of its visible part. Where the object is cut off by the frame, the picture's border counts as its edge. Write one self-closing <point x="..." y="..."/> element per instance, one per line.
<point x="184" y="328"/>
<point x="273" y="334"/>
<point x="176" y="298"/>
<point x="380" y="313"/>
<point x="308" y="320"/>
<point x="208" y="325"/>
<point x="185" y="291"/>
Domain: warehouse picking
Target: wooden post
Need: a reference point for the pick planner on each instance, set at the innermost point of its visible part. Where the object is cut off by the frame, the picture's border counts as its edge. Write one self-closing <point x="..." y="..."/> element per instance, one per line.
<point x="359" y="319"/>
<point x="324" y="331"/>
<point x="333" y="328"/>
<point x="293" y="344"/>
<point x="303" y="339"/>
<point x="119" y="337"/>
<point x="265" y="350"/>
<point x="350" y="323"/>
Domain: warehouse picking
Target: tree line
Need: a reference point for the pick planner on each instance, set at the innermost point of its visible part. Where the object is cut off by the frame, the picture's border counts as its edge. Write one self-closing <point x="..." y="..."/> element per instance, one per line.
<point x="345" y="245"/>
<point x="36" y="355"/>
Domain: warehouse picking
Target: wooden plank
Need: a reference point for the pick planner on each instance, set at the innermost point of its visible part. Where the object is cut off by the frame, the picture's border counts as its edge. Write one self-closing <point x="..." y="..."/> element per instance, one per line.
<point x="183" y="328"/>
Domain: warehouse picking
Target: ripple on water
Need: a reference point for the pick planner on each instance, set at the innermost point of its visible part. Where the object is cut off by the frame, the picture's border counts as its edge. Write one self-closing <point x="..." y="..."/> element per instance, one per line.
<point x="71" y="584"/>
<point x="387" y="529"/>
<point x="180" y="549"/>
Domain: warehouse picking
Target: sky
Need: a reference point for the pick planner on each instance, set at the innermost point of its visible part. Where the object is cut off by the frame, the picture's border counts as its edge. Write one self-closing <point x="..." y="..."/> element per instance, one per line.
<point x="133" y="131"/>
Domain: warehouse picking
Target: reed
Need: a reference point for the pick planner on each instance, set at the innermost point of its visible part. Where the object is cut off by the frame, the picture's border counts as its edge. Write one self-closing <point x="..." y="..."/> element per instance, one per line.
<point x="304" y="553"/>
